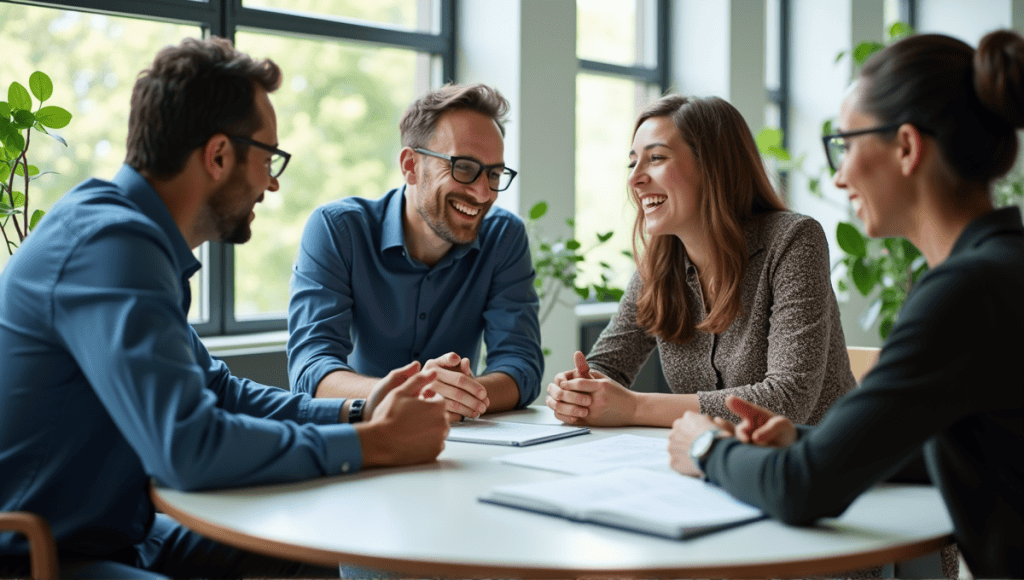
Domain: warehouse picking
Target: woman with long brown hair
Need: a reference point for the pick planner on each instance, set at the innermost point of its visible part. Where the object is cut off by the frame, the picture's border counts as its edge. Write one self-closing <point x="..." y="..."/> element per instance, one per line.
<point x="929" y="127"/>
<point x="732" y="288"/>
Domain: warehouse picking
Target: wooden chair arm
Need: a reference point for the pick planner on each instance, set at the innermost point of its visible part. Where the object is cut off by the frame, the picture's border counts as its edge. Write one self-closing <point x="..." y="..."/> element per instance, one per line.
<point x="42" y="545"/>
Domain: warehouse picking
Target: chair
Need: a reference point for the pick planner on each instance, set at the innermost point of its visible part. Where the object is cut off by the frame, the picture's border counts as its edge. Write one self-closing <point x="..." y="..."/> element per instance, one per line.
<point x="862" y="358"/>
<point x="42" y="545"/>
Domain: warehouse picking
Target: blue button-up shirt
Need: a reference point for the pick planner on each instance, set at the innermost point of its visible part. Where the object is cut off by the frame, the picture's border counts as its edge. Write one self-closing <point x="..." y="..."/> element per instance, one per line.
<point x="360" y="302"/>
<point x="105" y="384"/>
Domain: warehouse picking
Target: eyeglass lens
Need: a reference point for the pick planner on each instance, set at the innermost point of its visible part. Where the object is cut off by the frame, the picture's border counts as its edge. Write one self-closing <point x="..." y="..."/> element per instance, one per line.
<point x="468" y="171"/>
<point x="836" y="149"/>
<point x="277" y="162"/>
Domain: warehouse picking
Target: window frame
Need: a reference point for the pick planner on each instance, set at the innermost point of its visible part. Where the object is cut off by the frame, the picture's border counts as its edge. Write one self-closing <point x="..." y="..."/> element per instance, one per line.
<point x="224" y="18"/>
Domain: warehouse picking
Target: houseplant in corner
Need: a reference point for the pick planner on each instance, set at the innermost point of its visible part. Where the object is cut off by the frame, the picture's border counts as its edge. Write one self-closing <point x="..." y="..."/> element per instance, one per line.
<point x="17" y="122"/>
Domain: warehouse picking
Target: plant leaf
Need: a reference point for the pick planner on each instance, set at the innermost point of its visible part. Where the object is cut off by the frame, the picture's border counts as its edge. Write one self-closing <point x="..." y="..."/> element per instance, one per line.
<point x="851" y="240"/>
<point x="5" y="110"/>
<point x="41" y="85"/>
<point x="36" y="216"/>
<point x="604" y="237"/>
<point x="864" y="51"/>
<point x="572" y="244"/>
<point x="18" y="97"/>
<point x="53" y="117"/>
<point x="768" y="137"/>
<point x="826" y="127"/>
<point x="840" y="56"/>
<point x="583" y="293"/>
<point x="899" y="31"/>
<point x="23" y="119"/>
<point x="14" y="143"/>
<point x="862" y="277"/>
<point x="538" y="210"/>
<point x="19" y="199"/>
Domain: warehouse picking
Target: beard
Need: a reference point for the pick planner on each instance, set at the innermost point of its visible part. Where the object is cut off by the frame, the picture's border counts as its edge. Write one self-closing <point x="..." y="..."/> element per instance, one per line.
<point x="433" y="209"/>
<point x="230" y="208"/>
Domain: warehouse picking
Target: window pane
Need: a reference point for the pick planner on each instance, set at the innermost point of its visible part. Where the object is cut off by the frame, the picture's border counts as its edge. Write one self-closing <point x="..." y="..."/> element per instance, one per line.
<point x="337" y="114"/>
<point x="93" y="61"/>
<point x="612" y="31"/>
<point x="419" y="15"/>
<point x="606" y="110"/>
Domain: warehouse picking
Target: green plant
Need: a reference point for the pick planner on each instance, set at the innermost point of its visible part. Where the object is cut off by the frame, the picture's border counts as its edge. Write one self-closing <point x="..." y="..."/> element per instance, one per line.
<point x="559" y="262"/>
<point x="885" y="269"/>
<point x="16" y="123"/>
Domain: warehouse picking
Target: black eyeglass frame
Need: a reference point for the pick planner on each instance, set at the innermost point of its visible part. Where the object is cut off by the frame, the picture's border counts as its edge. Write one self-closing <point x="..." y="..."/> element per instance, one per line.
<point x="274" y="150"/>
<point x="453" y="159"/>
<point x="826" y="139"/>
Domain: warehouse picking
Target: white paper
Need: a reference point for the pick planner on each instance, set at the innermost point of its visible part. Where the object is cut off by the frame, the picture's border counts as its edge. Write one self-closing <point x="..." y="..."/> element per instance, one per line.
<point x="597" y="456"/>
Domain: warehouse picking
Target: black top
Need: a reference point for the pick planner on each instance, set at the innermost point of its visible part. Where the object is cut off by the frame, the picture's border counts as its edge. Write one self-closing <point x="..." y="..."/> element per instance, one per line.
<point x="950" y="383"/>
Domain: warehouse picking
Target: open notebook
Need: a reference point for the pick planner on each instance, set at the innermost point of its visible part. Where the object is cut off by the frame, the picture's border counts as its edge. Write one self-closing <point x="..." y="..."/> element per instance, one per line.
<point x="644" y="500"/>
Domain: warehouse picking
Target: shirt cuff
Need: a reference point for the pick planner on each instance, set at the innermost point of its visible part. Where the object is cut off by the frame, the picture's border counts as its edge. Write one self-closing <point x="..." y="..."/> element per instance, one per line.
<point x="344" y="450"/>
<point x="526" y="393"/>
<point x="321" y="411"/>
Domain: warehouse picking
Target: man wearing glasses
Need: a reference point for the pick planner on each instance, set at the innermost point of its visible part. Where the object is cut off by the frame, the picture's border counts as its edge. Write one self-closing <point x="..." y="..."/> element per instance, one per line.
<point x="425" y="271"/>
<point x="106" y="385"/>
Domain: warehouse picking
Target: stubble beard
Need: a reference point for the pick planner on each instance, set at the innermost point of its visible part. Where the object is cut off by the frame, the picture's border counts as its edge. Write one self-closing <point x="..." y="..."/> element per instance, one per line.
<point x="234" y="228"/>
<point x="434" y="209"/>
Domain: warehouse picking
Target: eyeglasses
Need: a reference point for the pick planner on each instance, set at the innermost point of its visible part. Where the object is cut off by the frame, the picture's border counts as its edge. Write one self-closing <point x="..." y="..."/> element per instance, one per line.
<point x="835" y="144"/>
<point x="278" y="159"/>
<point x="467" y="170"/>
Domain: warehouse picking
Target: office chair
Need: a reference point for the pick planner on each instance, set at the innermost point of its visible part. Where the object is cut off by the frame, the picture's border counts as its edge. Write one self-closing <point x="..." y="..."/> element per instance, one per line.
<point x="42" y="545"/>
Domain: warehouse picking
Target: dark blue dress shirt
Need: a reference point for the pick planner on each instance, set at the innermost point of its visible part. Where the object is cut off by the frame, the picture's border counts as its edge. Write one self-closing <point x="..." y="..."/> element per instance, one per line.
<point x="361" y="303"/>
<point x="105" y="384"/>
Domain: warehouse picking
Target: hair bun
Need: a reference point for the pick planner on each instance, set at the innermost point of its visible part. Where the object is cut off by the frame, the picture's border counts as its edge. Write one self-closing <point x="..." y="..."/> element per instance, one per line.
<point x="999" y="75"/>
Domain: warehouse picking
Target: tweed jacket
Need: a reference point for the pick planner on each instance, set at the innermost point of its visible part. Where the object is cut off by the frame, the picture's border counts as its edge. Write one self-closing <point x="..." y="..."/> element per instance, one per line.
<point x="785" y="351"/>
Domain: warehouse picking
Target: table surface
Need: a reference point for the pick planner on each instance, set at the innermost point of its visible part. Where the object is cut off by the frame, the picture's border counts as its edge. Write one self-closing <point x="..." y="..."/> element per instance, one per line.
<point x="426" y="520"/>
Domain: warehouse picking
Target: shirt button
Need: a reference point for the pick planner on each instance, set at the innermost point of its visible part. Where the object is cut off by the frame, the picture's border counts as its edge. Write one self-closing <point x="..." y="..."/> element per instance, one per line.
<point x="345" y="467"/>
<point x="423" y="315"/>
<point x="415" y="355"/>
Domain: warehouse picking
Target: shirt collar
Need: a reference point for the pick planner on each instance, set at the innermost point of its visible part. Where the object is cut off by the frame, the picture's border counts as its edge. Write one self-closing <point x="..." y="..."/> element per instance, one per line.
<point x="393" y="234"/>
<point x="142" y="194"/>
<point x="999" y="221"/>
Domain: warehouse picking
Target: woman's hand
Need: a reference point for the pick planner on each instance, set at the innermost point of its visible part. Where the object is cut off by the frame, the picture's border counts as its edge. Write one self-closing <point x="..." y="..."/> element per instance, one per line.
<point x="585" y="397"/>
<point x="759" y="426"/>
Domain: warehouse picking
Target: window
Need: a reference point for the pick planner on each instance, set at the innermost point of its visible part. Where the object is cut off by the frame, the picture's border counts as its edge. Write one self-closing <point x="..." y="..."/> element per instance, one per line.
<point x="350" y="69"/>
<point x="623" y="65"/>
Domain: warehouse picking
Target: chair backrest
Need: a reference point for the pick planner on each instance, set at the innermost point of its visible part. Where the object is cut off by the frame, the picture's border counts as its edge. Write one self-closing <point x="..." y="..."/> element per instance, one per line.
<point x="862" y="358"/>
<point x="42" y="546"/>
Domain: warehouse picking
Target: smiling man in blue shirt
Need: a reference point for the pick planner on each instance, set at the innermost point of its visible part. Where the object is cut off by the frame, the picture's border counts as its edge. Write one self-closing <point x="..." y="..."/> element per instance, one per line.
<point x="424" y="272"/>
<point x="105" y="383"/>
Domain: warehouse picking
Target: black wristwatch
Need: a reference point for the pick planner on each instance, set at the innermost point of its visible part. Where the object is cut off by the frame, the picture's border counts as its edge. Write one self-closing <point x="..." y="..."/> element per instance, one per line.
<point x="701" y="446"/>
<point x="355" y="410"/>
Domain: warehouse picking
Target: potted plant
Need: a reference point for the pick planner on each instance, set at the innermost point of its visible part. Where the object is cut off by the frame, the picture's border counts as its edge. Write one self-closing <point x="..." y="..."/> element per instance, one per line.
<point x="17" y="121"/>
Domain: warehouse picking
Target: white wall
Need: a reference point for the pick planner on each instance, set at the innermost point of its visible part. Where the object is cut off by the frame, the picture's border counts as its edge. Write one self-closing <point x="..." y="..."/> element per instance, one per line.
<point x="968" y="21"/>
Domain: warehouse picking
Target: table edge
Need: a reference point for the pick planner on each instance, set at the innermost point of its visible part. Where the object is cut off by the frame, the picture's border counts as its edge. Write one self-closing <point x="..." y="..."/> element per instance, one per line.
<point x="285" y="550"/>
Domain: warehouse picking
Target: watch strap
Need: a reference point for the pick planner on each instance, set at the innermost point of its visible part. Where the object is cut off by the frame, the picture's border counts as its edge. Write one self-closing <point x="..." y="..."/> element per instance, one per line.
<point x="355" y="410"/>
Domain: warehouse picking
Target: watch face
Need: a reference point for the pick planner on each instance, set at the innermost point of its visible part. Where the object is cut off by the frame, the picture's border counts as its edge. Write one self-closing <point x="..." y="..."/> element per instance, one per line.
<point x="702" y="444"/>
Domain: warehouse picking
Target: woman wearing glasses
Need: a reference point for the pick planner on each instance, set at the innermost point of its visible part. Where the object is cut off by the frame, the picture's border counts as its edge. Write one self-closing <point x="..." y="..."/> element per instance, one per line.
<point x="927" y="129"/>
<point x="731" y="288"/>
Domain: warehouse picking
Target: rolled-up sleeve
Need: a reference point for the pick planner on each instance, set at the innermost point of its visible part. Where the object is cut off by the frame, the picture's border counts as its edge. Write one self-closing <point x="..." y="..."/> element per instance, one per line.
<point x="512" y="329"/>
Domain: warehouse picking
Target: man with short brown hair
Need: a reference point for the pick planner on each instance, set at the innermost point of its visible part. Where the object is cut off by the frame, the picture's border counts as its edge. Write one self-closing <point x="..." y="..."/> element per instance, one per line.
<point x="425" y="271"/>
